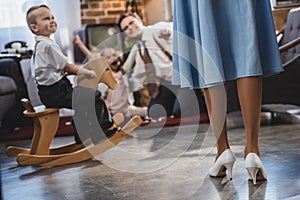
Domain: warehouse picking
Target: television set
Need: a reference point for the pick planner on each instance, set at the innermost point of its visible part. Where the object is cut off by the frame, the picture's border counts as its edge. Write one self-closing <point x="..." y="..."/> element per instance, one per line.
<point x="97" y="37"/>
<point x="285" y="3"/>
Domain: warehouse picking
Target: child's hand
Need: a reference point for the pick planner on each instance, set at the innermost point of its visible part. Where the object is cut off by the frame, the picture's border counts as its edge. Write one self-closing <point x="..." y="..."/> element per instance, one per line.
<point x="77" y="40"/>
<point x="86" y="72"/>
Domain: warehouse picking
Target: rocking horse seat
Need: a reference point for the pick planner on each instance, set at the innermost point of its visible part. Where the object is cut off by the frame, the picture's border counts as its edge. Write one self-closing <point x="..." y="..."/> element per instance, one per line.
<point x="39" y="111"/>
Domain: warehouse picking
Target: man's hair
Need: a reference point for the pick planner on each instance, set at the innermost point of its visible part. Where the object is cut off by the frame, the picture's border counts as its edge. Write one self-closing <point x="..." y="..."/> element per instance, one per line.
<point x="123" y="16"/>
<point x="30" y="18"/>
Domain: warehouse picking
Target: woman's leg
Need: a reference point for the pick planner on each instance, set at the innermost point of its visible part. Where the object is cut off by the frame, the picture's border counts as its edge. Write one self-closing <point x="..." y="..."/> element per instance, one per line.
<point x="250" y="95"/>
<point x="216" y="103"/>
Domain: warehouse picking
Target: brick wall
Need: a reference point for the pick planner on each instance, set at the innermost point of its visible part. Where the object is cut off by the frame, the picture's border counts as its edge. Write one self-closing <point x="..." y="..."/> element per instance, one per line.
<point x="105" y="11"/>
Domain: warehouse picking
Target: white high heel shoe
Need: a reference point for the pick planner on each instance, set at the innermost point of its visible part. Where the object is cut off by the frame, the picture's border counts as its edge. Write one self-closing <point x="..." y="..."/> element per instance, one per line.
<point x="225" y="161"/>
<point x="255" y="168"/>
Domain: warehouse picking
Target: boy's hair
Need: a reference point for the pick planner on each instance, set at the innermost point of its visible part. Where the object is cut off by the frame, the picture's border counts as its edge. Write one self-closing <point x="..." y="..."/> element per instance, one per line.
<point x="30" y="18"/>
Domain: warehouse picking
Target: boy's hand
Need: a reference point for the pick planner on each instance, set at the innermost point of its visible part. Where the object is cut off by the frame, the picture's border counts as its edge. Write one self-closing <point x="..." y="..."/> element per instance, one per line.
<point x="86" y="72"/>
<point x="144" y="97"/>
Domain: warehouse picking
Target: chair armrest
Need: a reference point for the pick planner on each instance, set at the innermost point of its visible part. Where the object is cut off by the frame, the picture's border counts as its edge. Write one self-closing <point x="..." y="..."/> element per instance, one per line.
<point x="280" y="31"/>
<point x="290" y="44"/>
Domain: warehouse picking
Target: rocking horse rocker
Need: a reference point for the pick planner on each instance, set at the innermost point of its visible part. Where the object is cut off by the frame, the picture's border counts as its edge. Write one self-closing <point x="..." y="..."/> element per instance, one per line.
<point x="46" y="122"/>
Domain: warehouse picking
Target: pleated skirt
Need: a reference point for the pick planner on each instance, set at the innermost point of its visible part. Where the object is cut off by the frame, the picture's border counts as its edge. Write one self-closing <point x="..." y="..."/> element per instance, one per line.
<point x="219" y="40"/>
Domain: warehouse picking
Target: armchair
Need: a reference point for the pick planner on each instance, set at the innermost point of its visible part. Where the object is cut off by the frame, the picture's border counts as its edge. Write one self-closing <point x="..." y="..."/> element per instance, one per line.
<point x="8" y="90"/>
<point x="12" y="89"/>
<point x="283" y="88"/>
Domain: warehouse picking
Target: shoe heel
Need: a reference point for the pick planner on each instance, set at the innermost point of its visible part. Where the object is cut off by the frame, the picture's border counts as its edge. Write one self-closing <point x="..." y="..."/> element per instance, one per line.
<point x="252" y="172"/>
<point x="229" y="167"/>
<point x="255" y="168"/>
<point x="226" y="159"/>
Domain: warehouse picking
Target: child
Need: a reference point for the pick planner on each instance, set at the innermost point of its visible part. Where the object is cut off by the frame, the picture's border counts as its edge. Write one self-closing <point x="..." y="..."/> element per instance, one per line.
<point x="116" y="100"/>
<point x="49" y="66"/>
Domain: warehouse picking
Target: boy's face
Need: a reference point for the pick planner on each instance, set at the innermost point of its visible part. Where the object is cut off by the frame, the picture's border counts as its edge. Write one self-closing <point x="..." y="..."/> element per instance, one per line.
<point x="131" y="26"/>
<point x="45" y="24"/>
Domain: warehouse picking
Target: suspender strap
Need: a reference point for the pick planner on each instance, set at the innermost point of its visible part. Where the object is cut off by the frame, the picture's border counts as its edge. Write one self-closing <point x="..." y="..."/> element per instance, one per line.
<point x="35" y="50"/>
<point x="168" y="54"/>
<point x="33" y="58"/>
<point x="150" y="69"/>
<point x="152" y="82"/>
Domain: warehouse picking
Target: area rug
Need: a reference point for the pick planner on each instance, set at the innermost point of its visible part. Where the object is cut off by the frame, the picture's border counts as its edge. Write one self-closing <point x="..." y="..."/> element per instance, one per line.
<point x="66" y="129"/>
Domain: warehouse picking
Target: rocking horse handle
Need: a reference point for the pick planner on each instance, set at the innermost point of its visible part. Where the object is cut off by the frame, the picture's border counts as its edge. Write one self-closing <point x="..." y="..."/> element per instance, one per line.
<point x="118" y="118"/>
<point x="26" y="103"/>
<point x="103" y="72"/>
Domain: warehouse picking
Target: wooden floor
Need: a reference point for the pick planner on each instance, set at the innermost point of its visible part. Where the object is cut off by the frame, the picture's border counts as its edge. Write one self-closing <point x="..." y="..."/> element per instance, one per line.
<point x="164" y="163"/>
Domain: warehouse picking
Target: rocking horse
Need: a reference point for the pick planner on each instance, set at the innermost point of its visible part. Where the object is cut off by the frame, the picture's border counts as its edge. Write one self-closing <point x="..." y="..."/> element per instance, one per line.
<point x="46" y="122"/>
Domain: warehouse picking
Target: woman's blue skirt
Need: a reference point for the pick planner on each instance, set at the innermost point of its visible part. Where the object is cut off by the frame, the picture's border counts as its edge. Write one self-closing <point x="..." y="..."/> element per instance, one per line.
<point x="220" y="40"/>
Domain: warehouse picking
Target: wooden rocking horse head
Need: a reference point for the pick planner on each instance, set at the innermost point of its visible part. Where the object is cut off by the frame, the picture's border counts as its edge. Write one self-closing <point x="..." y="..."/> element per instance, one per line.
<point x="103" y="72"/>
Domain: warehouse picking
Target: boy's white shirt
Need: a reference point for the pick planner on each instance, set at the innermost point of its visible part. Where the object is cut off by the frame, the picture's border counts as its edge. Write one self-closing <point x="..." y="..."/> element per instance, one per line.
<point x="48" y="61"/>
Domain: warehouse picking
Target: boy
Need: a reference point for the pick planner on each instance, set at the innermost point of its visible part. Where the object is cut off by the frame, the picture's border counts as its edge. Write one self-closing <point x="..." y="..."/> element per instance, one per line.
<point x="49" y="66"/>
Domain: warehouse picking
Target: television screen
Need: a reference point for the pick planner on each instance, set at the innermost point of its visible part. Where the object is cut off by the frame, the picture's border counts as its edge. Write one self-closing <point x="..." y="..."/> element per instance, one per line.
<point x="287" y="2"/>
<point x="97" y="37"/>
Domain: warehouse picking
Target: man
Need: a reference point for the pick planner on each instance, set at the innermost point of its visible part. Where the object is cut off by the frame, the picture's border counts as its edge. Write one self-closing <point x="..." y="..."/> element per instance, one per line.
<point x="151" y="56"/>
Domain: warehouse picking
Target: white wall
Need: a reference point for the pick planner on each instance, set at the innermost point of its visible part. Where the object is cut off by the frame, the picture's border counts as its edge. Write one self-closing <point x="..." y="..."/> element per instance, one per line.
<point x="158" y="11"/>
<point x="68" y="16"/>
<point x="66" y="12"/>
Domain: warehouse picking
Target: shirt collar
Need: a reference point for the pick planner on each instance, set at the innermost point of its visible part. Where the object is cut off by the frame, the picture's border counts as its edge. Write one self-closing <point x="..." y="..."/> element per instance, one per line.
<point x="42" y="38"/>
